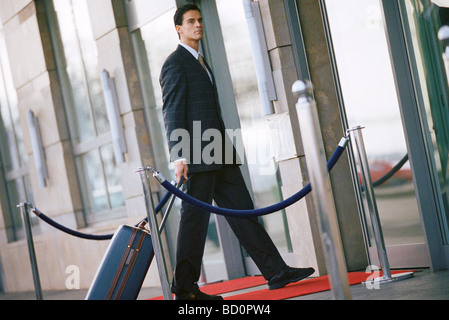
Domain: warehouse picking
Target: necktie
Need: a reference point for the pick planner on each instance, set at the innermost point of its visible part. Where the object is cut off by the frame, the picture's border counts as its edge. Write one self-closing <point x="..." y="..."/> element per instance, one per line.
<point x="201" y="61"/>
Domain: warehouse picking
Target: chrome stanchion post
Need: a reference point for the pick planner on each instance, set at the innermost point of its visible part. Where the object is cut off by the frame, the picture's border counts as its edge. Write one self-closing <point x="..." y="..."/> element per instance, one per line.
<point x="29" y="235"/>
<point x="321" y="190"/>
<point x="361" y="158"/>
<point x="155" y="234"/>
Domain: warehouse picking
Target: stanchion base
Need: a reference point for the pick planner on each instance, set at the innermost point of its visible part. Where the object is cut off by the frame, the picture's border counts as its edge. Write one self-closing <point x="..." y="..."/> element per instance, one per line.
<point x="394" y="277"/>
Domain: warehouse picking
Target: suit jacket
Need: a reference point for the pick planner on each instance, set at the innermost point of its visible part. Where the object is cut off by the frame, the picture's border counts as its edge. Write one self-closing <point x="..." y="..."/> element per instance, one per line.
<point x="190" y="102"/>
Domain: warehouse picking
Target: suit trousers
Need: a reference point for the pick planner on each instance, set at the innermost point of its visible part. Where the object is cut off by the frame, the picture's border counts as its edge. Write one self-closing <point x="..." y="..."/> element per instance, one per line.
<point x="228" y="189"/>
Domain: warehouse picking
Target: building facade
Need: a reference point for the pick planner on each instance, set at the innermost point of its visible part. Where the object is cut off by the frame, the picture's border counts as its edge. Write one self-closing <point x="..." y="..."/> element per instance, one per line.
<point x="378" y="64"/>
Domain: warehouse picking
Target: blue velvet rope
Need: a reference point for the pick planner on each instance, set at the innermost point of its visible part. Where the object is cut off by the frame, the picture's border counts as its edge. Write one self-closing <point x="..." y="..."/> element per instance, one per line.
<point x="252" y="212"/>
<point x="78" y="234"/>
<point x="202" y="205"/>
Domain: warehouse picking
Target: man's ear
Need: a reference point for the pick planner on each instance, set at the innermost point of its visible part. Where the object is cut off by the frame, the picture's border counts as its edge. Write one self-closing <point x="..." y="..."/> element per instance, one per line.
<point x="178" y="29"/>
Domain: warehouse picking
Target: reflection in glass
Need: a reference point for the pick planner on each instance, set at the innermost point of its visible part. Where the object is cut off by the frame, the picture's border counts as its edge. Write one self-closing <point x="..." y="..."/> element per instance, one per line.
<point x="87" y="111"/>
<point x="158" y="49"/>
<point x="114" y="187"/>
<point x="422" y="22"/>
<point x="92" y="180"/>
<point x="13" y="223"/>
<point x="13" y="156"/>
<point x="11" y="130"/>
<point x="77" y="64"/>
<point x="370" y="100"/>
<point x="255" y="127"/>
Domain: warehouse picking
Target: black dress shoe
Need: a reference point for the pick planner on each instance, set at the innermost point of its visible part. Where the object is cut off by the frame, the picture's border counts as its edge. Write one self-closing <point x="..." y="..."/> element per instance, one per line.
<point x="197" y="295"/>
<point x="289" y="275"/>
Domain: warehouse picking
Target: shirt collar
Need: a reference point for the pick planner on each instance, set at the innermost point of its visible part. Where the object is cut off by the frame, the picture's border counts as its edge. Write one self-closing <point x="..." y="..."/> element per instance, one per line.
<point x="191" y="50"/>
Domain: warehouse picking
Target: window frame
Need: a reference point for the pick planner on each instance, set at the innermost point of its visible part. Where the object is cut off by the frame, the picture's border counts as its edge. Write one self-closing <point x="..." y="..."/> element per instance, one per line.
<point x="94" y="144"/>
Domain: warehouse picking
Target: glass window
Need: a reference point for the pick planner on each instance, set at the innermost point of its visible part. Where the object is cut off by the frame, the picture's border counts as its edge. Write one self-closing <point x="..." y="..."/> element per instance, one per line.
<point x="13" y="156"/>
<point x="88" y="113"/>
<point x="254" y="125"/>
<point x="158" y="49"/>
<point x="370" y="100"/>
<point x="422" y="23"/>
<point x="77" y="64"/>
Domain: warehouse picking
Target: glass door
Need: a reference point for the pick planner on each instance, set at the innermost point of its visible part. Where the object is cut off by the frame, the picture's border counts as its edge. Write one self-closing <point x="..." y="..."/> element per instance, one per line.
<point x="234" y="55"/>
<point x="254" y="125"/>
<point x="422" y="21"/>
<point x="370" y="100"/>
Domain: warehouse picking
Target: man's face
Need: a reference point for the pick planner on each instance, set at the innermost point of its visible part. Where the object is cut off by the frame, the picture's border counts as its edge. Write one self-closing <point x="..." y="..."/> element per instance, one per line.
<point x="192" y="27"/>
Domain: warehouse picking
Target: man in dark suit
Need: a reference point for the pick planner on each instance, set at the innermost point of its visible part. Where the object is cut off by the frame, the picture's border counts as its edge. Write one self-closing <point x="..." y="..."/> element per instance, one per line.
<point x="191" y="109"/>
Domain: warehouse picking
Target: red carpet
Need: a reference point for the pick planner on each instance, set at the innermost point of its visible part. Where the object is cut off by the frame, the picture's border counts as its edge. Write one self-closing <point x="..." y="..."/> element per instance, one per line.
<point x="296" y="289"/>
<point x="233" y="285"/>
<point x="301" y="288"/>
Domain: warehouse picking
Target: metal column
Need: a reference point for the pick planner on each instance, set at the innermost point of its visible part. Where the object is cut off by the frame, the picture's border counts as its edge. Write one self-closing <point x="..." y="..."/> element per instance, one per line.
<point x="321" y="190"/>
<point x="367" y="186"/>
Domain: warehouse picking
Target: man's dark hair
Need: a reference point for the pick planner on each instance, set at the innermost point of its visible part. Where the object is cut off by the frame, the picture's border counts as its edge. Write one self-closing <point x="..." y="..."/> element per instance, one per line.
<point x="179" y="14"/>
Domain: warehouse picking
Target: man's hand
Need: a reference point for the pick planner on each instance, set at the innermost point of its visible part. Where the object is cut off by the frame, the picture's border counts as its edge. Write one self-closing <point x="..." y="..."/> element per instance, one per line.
<point x="181" y="169"/>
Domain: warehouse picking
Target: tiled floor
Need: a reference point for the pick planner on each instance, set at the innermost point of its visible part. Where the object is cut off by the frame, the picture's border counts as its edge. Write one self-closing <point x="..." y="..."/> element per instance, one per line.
<point x="424" y="285"/>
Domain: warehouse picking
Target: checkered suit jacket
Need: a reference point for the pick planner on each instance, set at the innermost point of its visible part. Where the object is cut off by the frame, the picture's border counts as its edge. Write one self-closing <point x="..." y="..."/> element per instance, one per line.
<point x="190" y="102"/>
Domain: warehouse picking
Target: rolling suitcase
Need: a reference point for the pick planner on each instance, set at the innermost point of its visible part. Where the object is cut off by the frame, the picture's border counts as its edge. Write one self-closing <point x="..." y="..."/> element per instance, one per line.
<point x="128" y="257"/>
<point x="124" y="265"/>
